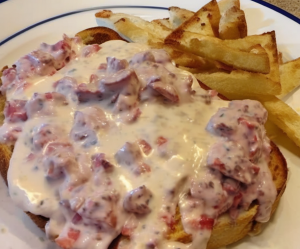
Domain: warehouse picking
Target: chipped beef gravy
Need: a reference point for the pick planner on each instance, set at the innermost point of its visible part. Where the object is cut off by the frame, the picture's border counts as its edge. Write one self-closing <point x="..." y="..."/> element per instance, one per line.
<point x="111" y="139"/>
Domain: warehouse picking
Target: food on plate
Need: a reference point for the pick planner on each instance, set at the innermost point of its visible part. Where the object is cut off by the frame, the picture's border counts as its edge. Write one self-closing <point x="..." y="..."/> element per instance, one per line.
<point x="118" y="145"/>
<point x="163" y="22"/>
<point x="289" y="76"/>
<point x="179" y="16"/>
<point x="205" y="21"/>
<point x="279" y="113"/>
<point x="80" y="117"/>
<point x="209" y="70"/>
<point x="98" y="35"/>
<point x="108" y="19"/>
<point x="233" y="23"/>
<point x="215" y="49"/>
<point x="225" y="5"/>
<point x="238" y="82"/>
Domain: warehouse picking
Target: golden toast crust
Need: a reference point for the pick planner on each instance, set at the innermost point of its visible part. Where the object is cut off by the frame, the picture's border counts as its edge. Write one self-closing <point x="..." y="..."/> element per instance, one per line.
<point x="98" y="35"/>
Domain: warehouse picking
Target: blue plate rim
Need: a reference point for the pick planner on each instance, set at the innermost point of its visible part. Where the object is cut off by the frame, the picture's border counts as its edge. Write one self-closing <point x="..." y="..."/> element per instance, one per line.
<point x="76" y="12"/>
<point x="261" y="2"/>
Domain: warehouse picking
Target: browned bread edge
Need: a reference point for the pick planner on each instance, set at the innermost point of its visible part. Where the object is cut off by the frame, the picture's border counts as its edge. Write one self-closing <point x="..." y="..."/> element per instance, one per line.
<point x="98" y="35"/>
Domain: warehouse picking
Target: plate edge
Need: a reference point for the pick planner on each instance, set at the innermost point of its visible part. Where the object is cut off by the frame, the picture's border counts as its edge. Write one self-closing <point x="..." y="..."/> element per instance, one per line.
<point x="5" y="40"/>
<point x="261" y="2"/>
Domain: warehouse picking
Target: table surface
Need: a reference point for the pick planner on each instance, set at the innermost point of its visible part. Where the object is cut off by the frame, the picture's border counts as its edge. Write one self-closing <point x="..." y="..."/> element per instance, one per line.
<point x="292" y="6"/>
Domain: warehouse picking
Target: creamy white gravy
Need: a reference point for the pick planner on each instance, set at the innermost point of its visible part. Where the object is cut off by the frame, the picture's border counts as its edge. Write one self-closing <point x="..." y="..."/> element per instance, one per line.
<point x="103" y="162"/>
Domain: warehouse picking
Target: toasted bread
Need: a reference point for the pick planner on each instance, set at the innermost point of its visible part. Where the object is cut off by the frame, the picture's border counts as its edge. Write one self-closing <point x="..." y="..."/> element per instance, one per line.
<point x="225" y="231"/>
<point x="98" y="35"/>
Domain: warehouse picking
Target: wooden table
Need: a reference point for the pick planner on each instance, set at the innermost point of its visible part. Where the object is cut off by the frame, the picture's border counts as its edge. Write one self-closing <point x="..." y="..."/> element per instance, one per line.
<point x="291" y="6"/>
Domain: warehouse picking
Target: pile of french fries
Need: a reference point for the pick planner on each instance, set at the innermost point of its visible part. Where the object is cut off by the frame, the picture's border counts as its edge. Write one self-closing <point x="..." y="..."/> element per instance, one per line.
<point x="212" y="43"/>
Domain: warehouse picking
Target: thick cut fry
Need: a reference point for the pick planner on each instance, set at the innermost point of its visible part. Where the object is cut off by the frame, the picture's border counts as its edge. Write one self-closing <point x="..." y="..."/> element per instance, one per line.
<point x="279" y="113"/>
<point x="280" y="59"/>
<point x="233" y="24"/>
<point x="239" y="82"/>
<point x="225" y="5"/>
<point x="188" y="60"/>
<point x="108" y="19"/>
<point x="198" y="25"/>
<point x="232" y="57"/>
<point x="205" y="21"/>
<point x="133" y="33"/>
<point x="215" y="49"/>
<point x="289" y="76"/>
<point x="165" y="22"/>
<point x="179" y="16"/>
<point x="268" y="42"/>
<point x="213" y="11"/>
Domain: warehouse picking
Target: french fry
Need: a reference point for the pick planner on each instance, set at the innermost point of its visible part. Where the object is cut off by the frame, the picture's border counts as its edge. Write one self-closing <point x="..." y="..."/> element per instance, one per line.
<point x="213" y="61"/>
<point x="215" y="49"/>
<point x="205" y="21"/>
<point x="179" y="16"/>
<point x="188" y="60"/>
<point x="239" y="81"/>
<point x="280" y="59"/>
<point x="289" y="76"/>
<point x="165" y="22"/>
<point x="225" y="5"/>
<point x="108" y="18"/>
<point x="134" y="33"/>
<point x="268" y="42"/>
<point x="233" y="24"/>
<point x="233" y="57"/>
<point x="213" y="11"/>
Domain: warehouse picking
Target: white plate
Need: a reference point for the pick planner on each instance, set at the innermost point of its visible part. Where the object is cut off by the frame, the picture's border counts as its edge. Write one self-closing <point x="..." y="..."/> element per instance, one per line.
<point x="17" y="231"/>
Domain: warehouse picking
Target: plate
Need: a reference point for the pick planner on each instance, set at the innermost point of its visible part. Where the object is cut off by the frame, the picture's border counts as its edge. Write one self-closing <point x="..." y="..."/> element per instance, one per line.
<point x="58" y="17"/>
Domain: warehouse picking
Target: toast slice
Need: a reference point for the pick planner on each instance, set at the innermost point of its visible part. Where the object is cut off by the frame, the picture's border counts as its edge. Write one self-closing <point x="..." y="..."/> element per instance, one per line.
<point x="98" y="35"/>
<point x="225" y="231"/>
